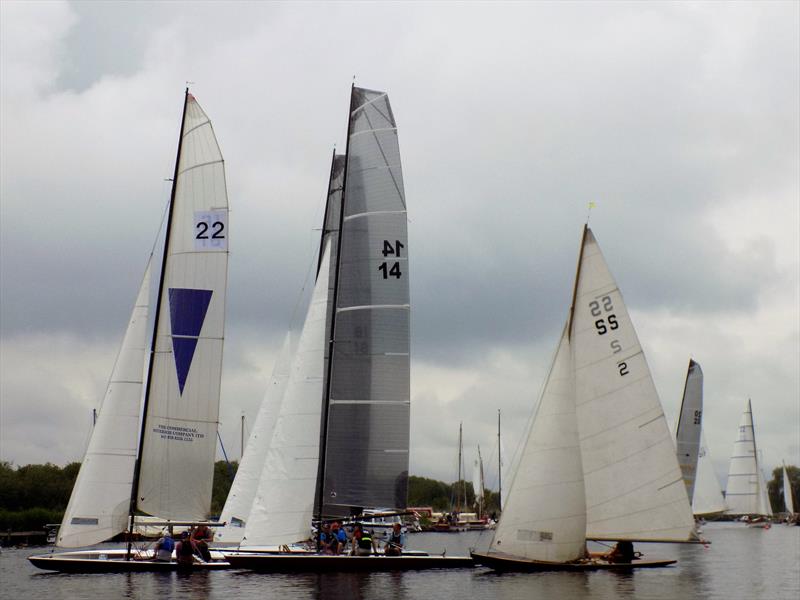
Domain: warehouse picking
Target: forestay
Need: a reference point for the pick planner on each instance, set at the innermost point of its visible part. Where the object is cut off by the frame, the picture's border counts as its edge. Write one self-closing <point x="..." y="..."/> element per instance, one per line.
<point x="634" y="487"/>
<point x="98" y="506"/>
<point x="177" y="458"/>
<point x="243" y="489"/>
<point x="368" y="400"/>
<point x="545" y="511"/>
<point x="283" y="505"/>
<point x="690" y="421"/>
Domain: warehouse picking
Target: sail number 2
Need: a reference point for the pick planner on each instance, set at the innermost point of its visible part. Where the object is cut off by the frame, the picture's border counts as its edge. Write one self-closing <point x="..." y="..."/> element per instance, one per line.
<point x="608" y="322"/>
<point x="393" y="269"/>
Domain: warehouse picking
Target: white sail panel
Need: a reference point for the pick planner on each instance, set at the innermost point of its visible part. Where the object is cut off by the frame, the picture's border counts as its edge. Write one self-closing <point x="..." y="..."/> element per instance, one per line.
<point x="100" y="500"/>
<point x="477" y="479"/>
<point x="788" y="502"/>
<point x="764" y="505"/>
<point x="742" y="492"/>
<point x="283" y="506"/>
<point x="689" y="426"/>
<point x="243" y="489"/>
<point x="708" y="498"/>
<point x="545" y="512"/>
<point x="177" y="458"/>
<point x="634" y="487"/>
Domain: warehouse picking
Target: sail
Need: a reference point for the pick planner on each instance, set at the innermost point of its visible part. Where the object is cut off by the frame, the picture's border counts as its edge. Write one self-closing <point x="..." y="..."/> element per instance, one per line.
<point x="545" y="511"/>
<point x="708" y="498"/>
<point x="98" y="506"/>
<point x="764" y="505"/>
<point x="366" y="454"/>
<point x="180" y="432"/>
<point x="787" y="492"/>
<point x="477" y="478"/>
<point x="689" y="426"/>
<point x="743" y="491"/>
<point x="283" y="505"/>
<point x="244" y="486"/>
<point x="634" y="487"/>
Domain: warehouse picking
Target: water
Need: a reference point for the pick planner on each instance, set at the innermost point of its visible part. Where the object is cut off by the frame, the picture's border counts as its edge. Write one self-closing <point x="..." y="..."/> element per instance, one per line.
<point x="741" y="563"/>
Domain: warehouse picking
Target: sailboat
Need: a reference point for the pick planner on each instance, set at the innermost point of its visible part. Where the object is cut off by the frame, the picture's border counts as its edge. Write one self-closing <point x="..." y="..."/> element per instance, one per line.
<point x="163" y="466"/>
<point x="694" y="459"/>
<point x="341" y="439"/>
<point x="746" y="492"/>
<point x="598" y="462"/>
<point x="788" y="502"/>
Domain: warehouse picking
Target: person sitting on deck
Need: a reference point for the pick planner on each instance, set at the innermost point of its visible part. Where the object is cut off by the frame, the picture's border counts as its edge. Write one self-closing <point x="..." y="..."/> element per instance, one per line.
<point x="340" y="537"/>
<point x="327" y="542"/>
<point x="622" y="553"/>
<point x="395" y="542"/>
<point x="363" y="543"/>
<point x="200" y="537"/>
<point x="184" y="552"/>
<point x="164" y="547"/>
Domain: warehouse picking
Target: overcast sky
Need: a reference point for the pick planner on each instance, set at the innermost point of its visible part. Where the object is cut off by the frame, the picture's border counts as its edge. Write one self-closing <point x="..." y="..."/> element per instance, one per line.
<point x="679" y="120"/>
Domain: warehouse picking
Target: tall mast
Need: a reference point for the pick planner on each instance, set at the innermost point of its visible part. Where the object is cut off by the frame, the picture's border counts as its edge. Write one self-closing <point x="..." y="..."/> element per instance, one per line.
<point x="241" y="440"/>
<point x="327" y="207"/>
<point x="577" y="278"/>
<point x="137" y="469"/>
<point x="460" y="475"/>
<point x="499" y="466"/>
<point x="331" y="341"/>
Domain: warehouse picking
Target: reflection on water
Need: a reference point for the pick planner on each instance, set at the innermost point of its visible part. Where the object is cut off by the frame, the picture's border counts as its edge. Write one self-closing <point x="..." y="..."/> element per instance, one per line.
<point x="741" y="563"/>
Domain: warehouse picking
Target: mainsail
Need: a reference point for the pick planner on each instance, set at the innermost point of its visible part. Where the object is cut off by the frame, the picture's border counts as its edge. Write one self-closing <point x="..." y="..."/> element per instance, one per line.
<point x="98" y="506"/>
<point x="787" y="492"/>
<point x="367" y="396"/>
<point x="243" y="489"/>
<point x="634" y="487"/>
<point x="689" y="426"/>
<point x="745" y="493"/>
<point x="182" y="399"/>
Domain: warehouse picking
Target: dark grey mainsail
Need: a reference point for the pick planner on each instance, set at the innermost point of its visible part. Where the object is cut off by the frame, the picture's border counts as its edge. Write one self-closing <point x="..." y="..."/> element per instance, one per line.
<point x="364" y="462"/>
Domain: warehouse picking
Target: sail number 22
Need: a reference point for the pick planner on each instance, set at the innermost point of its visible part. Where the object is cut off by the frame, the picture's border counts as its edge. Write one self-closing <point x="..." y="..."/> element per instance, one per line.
<point x="608" y="322"/>
<point x="393" y="269"/>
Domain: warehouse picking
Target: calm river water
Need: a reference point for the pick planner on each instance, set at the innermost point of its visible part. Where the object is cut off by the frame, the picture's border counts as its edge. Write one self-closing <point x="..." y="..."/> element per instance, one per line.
<point x="740" y="563"/>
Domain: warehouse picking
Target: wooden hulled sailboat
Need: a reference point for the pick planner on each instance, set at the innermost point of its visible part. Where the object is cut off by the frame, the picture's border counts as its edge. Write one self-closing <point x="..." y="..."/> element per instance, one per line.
<point x="341" y="439"/>
<point x="598" y="462"/>
<point x="164" y="465"/>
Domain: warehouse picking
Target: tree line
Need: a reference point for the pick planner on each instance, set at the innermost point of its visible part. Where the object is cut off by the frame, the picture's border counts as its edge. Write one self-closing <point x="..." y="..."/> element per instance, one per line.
<point x="34" y="495"/>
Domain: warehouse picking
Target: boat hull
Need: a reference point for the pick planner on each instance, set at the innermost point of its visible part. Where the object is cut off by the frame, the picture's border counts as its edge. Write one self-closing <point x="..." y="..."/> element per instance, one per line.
<point x="500" y="562"/>
<point x="113" y="561"/>
<point x="297" y="563"/>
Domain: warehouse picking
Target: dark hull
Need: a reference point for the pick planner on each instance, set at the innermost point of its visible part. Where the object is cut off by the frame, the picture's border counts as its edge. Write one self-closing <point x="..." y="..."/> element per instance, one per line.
<point x="53" y="562"/>
<point x="287" y="563"/>
<point x="508" y="563"/>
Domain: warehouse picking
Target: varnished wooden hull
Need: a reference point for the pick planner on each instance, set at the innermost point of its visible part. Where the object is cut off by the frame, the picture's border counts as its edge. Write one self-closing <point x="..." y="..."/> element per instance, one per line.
<point x="501" y="562"/>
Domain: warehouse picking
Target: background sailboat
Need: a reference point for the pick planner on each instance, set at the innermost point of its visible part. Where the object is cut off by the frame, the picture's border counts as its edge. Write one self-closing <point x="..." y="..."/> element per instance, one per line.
<point x="172" y="475"/>
<point x="690" y="424"/>
<point x="746" y="492"/>
<point x="598" y="462"/>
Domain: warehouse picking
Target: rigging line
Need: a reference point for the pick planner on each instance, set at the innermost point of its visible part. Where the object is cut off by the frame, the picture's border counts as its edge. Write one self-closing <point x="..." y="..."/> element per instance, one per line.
<point x="383" y="154"/>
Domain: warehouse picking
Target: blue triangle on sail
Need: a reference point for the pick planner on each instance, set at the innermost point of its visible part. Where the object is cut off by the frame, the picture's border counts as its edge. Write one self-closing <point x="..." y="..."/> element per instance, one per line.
<point x="187" y="311"/>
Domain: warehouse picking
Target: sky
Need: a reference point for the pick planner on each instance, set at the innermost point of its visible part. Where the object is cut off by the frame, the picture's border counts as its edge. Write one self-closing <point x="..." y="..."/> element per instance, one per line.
<point x="680" y="121"/>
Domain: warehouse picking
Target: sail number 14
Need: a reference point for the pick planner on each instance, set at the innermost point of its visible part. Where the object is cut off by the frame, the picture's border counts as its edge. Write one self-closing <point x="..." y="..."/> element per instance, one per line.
<point x="608" y="322"/>
<point x="391" y="269"/>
